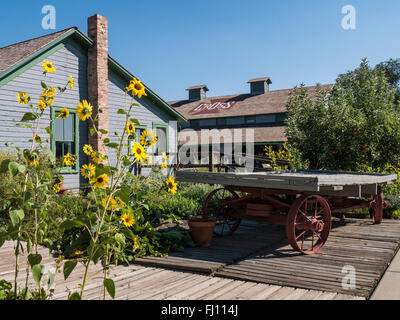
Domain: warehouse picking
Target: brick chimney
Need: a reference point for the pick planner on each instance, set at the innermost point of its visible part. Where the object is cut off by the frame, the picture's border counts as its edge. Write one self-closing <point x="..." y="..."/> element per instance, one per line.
<point x="98" y="75"/>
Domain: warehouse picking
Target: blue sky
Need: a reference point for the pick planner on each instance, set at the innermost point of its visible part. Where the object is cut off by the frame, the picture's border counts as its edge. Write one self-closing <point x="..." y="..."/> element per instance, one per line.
<point x="173" y="44"/>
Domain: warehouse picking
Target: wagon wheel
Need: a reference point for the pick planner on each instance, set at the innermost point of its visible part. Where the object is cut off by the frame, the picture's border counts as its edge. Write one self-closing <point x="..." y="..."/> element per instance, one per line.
<point x="215" y="205"/>
<point x="308" y="224"/>
<point x="377" y="206"/>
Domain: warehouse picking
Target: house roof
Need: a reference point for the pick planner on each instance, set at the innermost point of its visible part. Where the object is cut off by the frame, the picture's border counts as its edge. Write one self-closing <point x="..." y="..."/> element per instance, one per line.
<point x="15" y="56"/>
<point x="239" y="104"/>
<point x="12" y="54"/>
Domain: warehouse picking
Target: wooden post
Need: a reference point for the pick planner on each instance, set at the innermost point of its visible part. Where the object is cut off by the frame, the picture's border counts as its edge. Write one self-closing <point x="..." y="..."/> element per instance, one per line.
<point x="210" y="162"/>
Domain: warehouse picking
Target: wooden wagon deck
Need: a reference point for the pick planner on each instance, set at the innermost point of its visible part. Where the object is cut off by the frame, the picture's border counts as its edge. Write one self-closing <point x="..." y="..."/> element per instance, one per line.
<point x="322" y="182"/>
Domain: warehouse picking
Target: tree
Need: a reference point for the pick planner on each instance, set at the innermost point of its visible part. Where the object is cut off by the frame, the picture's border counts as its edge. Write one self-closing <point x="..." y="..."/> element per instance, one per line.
<point x="354" y="125"/>
<point x="391" y="68"/>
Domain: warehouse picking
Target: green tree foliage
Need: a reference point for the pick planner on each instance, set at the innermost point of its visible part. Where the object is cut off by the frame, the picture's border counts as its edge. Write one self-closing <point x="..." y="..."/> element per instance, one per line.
<point x="354" y="125"/>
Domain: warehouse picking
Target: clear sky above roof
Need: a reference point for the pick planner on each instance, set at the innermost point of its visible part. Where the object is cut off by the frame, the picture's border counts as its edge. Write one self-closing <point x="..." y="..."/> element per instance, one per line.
<point x="174" y="44"/>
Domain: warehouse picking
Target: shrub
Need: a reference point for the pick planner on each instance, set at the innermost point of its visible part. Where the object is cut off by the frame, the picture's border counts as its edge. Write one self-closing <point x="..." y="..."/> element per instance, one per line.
<point x="355" y="124"/>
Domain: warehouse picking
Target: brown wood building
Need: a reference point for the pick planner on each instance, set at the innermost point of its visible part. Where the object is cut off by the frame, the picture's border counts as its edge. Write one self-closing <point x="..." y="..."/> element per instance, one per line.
<point x="261" y="110"/>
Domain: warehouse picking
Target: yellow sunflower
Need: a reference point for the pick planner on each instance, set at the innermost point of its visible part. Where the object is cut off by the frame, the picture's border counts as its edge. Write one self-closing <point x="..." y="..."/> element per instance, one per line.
<point x="139" y="152"/>
<point x="32" y="160"/>
<point x="48" y="66"/>
<point x="127" y="219"/>
<point x="63" y="113"/>
<point x="41" y="105"/>
<point x="88" y="171"/>
<point x="97" y="157"/>
<point x="84" y="110"/>
<point x="47" y="100"/>
<point x="56" y="188"/>
<point x="120" y="203"/>
<point x="164" y="155"/>
<point x="87" y="149"/>
<point x="70" y="160"/>
<point x="23" y="98"/>
<point x="137" y="88"/>
<point x="171" y="185"/>
<point x="148" y="138"/>
<point x="49" y="92"/>
<point x="149" y="160"/>
<point x="71" y="82"/>
<point x="164" y="164"/>
<point x="111" y="205"/>
<point x="130" y="128"/>
<point x="100" y="181"/>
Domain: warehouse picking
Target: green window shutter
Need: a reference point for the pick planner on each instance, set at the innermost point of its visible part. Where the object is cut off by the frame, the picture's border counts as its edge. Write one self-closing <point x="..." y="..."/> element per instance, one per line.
<point x="65" y="137"/>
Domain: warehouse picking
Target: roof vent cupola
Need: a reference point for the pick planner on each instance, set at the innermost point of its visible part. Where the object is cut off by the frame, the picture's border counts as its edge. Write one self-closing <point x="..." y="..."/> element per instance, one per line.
<point x="259" y="85"/>
<point x="197" y="92"/>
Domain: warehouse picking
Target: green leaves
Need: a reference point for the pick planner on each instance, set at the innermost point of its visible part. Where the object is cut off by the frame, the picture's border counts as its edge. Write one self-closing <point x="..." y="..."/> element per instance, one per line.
<point x="15" y="168"/>
<point x="69" y="266"/>
<point x="49" y="131"/>
<point x="34" y="259"/>
<point x="16" y="216"/>
<point x="110" y="286"/>
<point x="37" y="273"/>
<point x="28" y="116"/>
<point x="75" y="296"/>
<point x="120" y="238"/>
<point x="70" y="224"/>
<point x="121" y="111"/>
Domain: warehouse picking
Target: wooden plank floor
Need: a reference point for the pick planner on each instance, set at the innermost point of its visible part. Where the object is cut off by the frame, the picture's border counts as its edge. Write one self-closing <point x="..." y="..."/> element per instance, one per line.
<point x="261" y="254"/>
<point x="137" y="282"/>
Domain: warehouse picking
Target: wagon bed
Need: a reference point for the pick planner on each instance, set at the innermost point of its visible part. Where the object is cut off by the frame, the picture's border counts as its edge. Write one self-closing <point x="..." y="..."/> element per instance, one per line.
<point x="303" y="200"/>
<point x="323" y="182"/>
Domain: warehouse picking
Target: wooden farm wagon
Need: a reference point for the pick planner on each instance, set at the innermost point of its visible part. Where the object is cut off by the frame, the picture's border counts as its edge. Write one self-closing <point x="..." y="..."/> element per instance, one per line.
<point x="303" y="200"/>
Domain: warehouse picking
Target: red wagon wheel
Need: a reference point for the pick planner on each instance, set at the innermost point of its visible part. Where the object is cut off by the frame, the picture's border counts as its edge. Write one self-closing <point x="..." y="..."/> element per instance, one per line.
<point x="308" y="224"/>
<point x="216" y="205"/>
<point x="377" y="206"/>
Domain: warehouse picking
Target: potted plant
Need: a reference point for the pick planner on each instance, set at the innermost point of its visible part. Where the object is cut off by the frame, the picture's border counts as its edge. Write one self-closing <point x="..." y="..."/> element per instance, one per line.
<point x="202" y="230"/>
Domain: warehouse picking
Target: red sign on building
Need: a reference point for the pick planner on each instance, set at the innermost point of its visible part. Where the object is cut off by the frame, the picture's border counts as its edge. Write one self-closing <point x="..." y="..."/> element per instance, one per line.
<point x="213" y="107"/>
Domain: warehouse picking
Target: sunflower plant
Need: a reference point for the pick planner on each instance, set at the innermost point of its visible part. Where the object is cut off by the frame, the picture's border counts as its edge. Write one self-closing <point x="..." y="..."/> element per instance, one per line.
<point x="109" y="224"/>
<point x="33" y="177"/>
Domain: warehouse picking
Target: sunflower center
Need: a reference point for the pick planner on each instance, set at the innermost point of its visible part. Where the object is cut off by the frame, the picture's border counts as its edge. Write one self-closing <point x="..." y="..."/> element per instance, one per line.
<point x="100" y="180"/>
<point x="85" y="111"/>
<point x="49" y="65"/>
<point x="138" y="86"/>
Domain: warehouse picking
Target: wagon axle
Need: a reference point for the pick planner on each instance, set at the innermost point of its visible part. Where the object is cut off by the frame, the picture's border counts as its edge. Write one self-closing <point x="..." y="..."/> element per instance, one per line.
<point x="314" y="225"/>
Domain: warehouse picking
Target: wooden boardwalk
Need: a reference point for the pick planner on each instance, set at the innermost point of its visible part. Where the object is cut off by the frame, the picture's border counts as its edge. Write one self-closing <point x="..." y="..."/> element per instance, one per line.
<point x="261" y="254"/>
<point x="137" y="282"/>
<point x="254" y="263"/>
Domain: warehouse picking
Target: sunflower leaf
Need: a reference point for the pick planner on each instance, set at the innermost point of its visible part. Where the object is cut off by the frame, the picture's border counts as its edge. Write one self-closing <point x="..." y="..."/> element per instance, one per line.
<point x="110" y="286"/>
<point x="28" y="116"/>
<point x="69" y="266"/>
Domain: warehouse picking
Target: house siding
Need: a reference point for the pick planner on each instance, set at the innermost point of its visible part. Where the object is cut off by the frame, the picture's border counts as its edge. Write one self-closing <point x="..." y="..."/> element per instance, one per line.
<point x="68" y="60"/>
<point x="146" y="114"/>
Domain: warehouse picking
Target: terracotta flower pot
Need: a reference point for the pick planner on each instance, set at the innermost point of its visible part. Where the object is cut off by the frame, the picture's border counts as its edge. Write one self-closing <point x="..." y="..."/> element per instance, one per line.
<point x="202" y="232"/>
